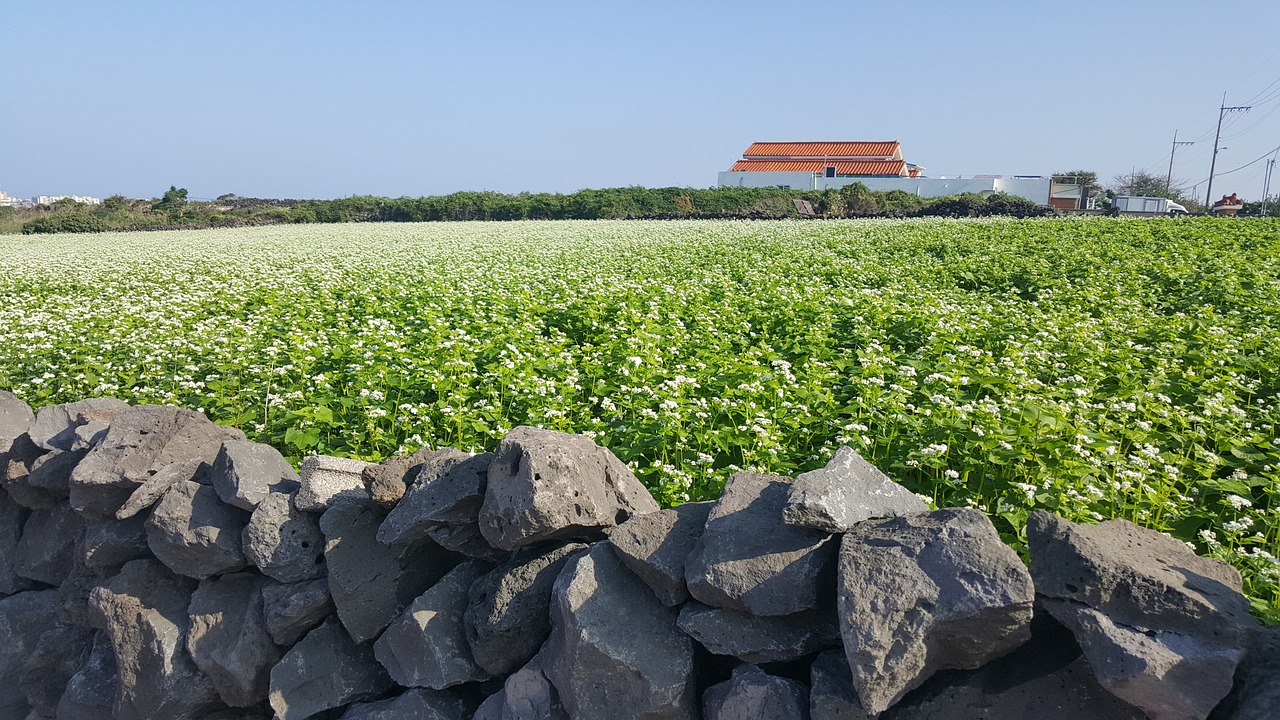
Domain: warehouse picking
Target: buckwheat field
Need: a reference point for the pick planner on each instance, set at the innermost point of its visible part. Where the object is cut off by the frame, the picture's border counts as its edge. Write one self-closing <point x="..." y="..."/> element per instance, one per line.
<point x="1096" y="368"/>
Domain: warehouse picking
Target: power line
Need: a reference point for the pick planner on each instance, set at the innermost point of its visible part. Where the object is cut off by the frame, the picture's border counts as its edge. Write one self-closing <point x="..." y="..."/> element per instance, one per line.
<point x="1222" y="110"/>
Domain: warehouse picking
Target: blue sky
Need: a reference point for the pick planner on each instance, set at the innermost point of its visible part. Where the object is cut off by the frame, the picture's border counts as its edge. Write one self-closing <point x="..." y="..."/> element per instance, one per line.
<point x="326" y="99"/>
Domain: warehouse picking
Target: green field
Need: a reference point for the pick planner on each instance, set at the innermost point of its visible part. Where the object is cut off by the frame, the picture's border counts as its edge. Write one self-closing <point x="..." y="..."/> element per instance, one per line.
<point x="1099" y="368"/>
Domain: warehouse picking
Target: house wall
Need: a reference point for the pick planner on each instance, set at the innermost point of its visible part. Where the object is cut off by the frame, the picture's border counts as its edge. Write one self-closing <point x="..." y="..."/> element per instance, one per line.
<point x="1033" y="189"/>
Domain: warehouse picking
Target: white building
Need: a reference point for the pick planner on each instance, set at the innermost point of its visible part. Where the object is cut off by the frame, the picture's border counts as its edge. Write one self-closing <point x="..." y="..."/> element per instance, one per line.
<point x="51" y="199"/>
<point x="878" y="165"/>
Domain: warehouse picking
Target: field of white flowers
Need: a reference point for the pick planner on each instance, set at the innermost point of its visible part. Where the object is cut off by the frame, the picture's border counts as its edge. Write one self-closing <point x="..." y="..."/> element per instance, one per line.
<point x="1098" y="368"/>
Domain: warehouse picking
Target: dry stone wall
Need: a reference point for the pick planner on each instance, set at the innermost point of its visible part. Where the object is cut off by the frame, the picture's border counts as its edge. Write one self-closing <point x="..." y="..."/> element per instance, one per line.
<point x="155" y="566"/>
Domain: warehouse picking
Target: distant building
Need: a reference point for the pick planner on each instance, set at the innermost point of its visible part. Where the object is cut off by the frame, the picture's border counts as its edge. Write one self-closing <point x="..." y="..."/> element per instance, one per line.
<point x="7" y="201"/>
<point x="879" y="165"/>
<point x="51" y="199"/>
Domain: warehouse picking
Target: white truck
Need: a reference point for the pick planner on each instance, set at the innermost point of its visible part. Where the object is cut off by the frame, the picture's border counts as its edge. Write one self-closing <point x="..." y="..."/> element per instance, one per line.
<point x="1140" y="204"/>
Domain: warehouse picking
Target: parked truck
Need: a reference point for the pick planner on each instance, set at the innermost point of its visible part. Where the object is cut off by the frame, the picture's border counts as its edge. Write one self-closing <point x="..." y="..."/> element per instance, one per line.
<point x="1140" y="204"/>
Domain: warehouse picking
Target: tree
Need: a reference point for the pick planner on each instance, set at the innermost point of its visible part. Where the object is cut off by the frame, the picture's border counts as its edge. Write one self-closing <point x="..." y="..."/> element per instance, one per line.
<point x="174" y="199"/>
<point x="1144" y="184"/>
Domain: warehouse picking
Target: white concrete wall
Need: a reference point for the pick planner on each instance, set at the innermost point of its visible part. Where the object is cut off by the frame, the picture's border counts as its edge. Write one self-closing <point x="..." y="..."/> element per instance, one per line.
<point x="1033" y="189"/>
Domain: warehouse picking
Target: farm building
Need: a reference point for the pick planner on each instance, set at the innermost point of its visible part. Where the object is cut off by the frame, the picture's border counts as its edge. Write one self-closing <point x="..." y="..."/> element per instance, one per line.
<point x="879" y="165"/>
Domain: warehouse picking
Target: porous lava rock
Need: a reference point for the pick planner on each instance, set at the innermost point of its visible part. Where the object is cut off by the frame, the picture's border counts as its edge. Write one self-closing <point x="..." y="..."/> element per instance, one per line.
<point x="291" y="610"/>
<point x="927" y="592"/>
<point x="282" y="541"/>
<point x="325" y="670"/>
<point x="325" y="480"/>
<point x="245" y="472"/>
<point x="228" y="639"/>
<point x="544" y="485"/>
<point x="55" y="426"/>
<point x="194" y="533"/>
<point x="387" y="481"/>
<point x="656" y="545"/>
<point x="749" y="560"/>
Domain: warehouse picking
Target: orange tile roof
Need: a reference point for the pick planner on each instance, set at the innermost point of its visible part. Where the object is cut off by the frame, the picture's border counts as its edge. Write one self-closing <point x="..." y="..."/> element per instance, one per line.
<point x="831" y="150"/>
<point x="865" y="167"/>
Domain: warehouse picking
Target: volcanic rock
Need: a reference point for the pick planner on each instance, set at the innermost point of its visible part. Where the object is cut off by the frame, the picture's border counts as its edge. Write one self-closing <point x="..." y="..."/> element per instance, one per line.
<point x="15" y="419"/>
<point x="193" y="533"/>
<point x="142" y="440"/>
<point x="91" y="692"/>
<point x="12" y="517"/>
<point x="15" y="468"/>
<point x="927" y="592"/>
<point x="154" y="488"/>
<point x="755" y="639"/>
<point x="51" y="473"/>
<point x="291" y="610"/>
<point x="748" y="559"/>
<point x="55" y="425"/>
<point x="1255" y="695"/>
<point x="645" y="661"/>
<point x="325" y="670"/>
<point x="109" y="544"/>
<point x="655" y="546"/>
<point x="527" y="694"/>
<point x="387" y="481"/>
<point x="370" y="584"/>
<point x="507" y="618"/>
<point x="245" y="472"/>
<point x="327" y="479"/>
<point x="1161" y="627"/>
<point x="24" y="618"/>
<point x="427" y="645"/>
<point x="447" y="490"/>
<point x="143" y="610"/>
<point x="57" y="656"/>
<point x="846" y="492"/>
<point x="283" y="542"/>
<point x="831" y="693"/>
<point x="228" y="639"/>
<point x="47" y="549"/>
<point x="544" y="485"/>
<point x="753" y="693"/>
<point x="416" y="704"/>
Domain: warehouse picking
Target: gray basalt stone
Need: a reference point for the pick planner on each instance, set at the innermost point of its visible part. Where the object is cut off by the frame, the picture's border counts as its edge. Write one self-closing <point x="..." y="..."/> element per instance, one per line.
<point x="326" y="480"/>
<point x="246" y="472"/>
<point x="154" y="488"/>
<point x="507" y="619"/>
<point x="831" y="693"/>
<point x="282" y="541"/>
<point x="24" y="618"/>
<point x="51" y="473"/>
<point x="526" y="694"/>
<point x="1044" y="679"/>
<point x="143" y="610"/>
<point x="645" y="662"/>
<point x="749" y="560"/>
<point x="291" y="610"/>
<point x="427" y="645"/>
<point x="142" y="440"/>
<point x="655" y="546"/>
<point x="388" y="480"/>
<point x="57" y="656"/>
<point x="15" y="469"/>
<point x="194" y="534"/>
<point x="544" y="485"/>
<point x="927" y="592"/>
<point x="447" y="491"/>
<point x="1161" y="627"/>
<point x="415" y="704"/>
<point x="1255" y="694"/>
<point x="370" y="584"/>
<point x="325" y="670"/>
<point x="109" y="544"/>
<point x="90" y="693"/>
<point x="846" y="492"/>
<point x="228" y="639"/>
<point x="46" y="552"/>
<point x="90" y="435"/>
<point x="55" y="425"/>
<point x="16" y="419"/>
<point x="756" y="639"/>
<point x="753" y="693"/>
<point x="12" y="517"/>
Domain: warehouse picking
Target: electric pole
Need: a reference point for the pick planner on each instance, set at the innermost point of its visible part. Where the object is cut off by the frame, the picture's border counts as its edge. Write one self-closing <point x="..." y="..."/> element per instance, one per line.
<point x="1169" y="180"/>
<point x="1266" y="184"/>
<point x="1223" y="110"/>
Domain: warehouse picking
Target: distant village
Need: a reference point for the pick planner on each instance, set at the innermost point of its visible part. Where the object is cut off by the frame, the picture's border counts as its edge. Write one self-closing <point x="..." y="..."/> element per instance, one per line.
<point x="15" y="202"/>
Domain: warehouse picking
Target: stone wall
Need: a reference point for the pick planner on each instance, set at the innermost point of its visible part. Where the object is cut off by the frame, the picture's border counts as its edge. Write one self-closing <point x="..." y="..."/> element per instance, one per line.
<point x="154" y="565"/>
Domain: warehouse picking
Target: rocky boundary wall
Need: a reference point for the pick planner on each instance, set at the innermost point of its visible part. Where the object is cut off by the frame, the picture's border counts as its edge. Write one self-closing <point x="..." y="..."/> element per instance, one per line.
<point x="156" y="566"/>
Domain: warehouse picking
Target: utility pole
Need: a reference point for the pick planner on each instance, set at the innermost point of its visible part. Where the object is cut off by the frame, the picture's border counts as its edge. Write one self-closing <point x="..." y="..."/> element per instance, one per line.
<point x="1223" y="110"/>
<point x="1168" y="182"/>
<point x="1266" y="184"/>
